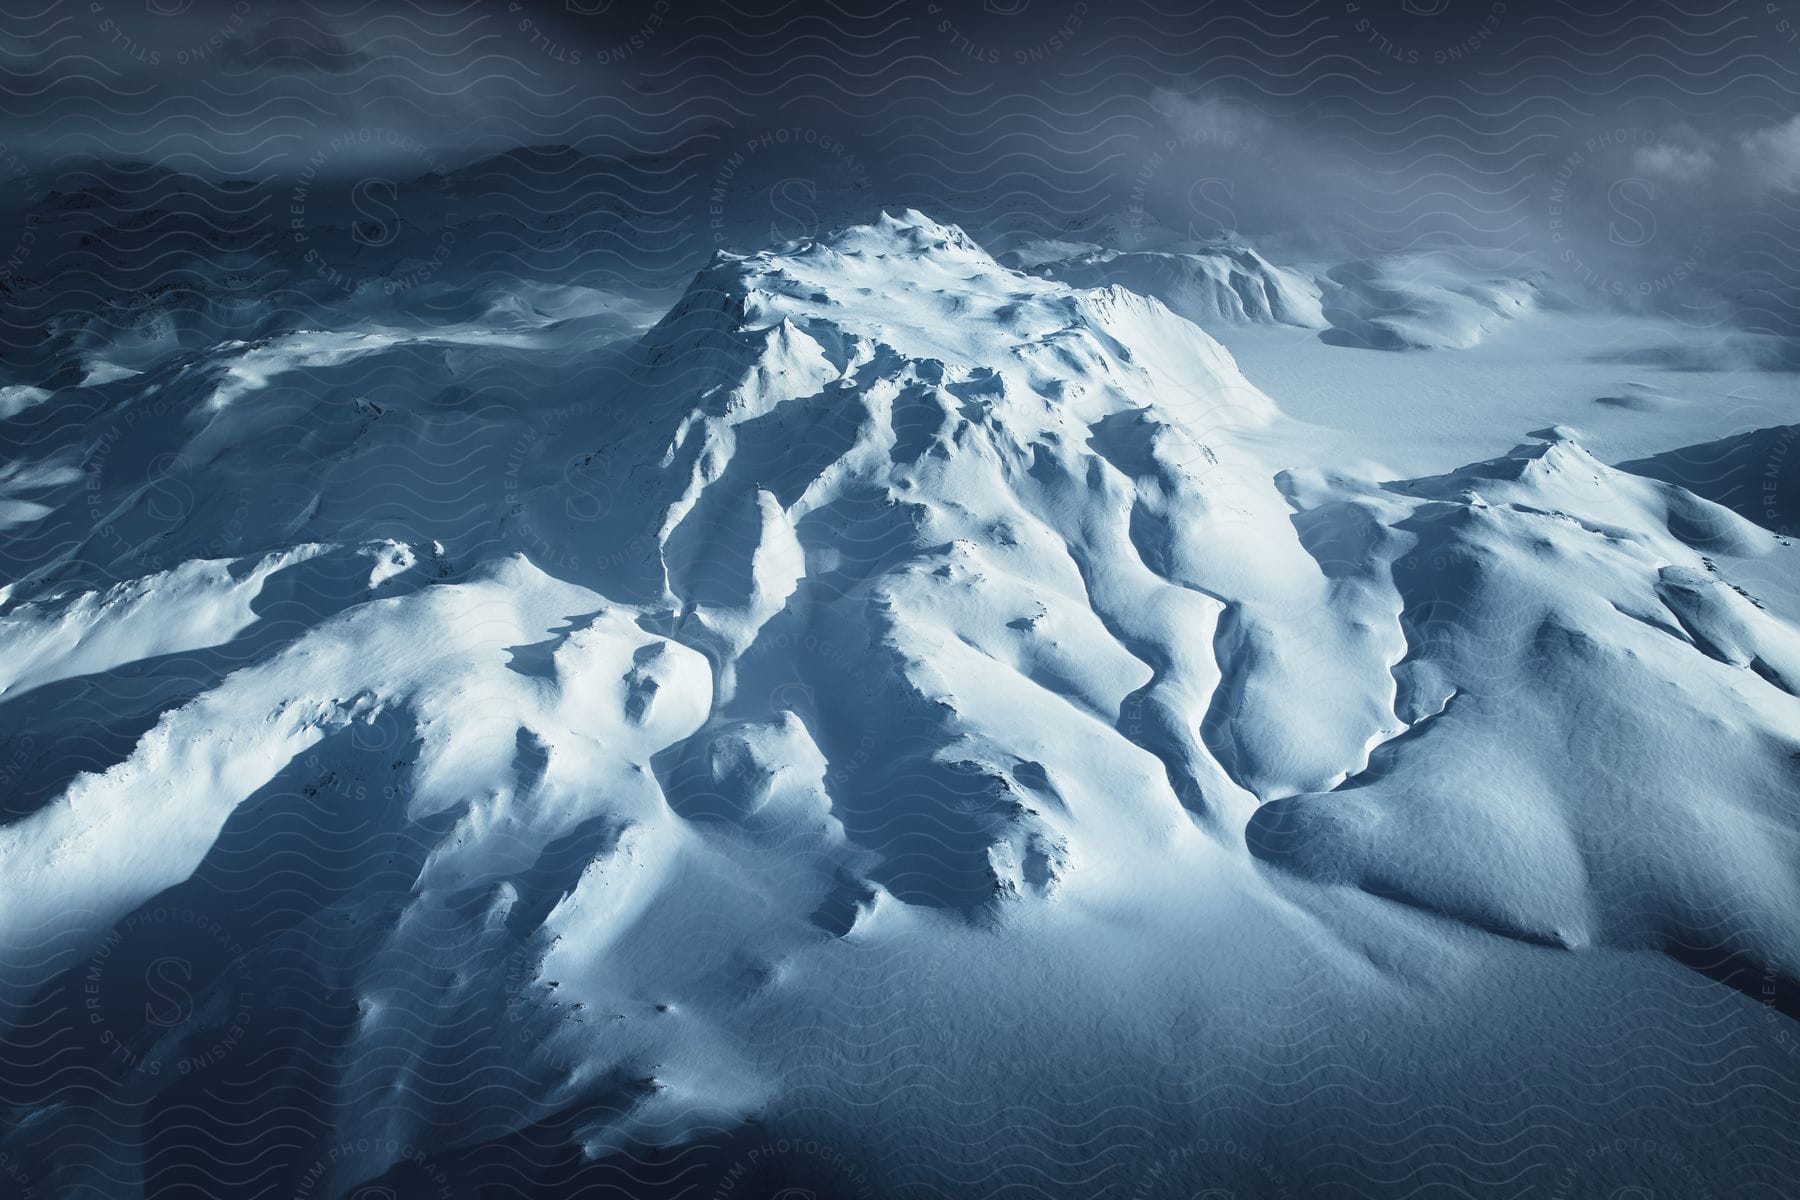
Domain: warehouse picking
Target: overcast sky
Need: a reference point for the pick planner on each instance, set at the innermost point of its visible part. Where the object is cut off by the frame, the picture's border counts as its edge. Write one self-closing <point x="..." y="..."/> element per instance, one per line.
<point x="1641" y="142"/>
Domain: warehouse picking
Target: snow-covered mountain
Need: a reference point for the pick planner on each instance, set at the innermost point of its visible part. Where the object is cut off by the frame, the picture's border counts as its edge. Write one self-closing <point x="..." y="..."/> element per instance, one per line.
<point x="893" y="711"/>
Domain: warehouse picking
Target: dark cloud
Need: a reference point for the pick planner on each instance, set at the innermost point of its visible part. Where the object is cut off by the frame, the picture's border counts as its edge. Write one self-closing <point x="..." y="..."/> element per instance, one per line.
<point x="292" y="44"/>
<point x="1551" y="133"/>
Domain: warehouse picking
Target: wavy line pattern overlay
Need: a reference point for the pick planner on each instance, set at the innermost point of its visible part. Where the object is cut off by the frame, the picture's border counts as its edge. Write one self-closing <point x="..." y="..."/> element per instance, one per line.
<point x="542" y="656"/>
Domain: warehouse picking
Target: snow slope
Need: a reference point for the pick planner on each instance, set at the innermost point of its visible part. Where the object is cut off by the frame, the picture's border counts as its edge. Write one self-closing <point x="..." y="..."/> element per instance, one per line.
<point x="1401" y="302"/>
<point x="1755" y="474"/>
<point x="896" y="702"/>
<point x="1206" y="283"/>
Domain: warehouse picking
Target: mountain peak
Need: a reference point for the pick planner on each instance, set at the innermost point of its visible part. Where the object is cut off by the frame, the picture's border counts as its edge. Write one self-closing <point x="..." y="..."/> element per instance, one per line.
<point x="907" y="296"/>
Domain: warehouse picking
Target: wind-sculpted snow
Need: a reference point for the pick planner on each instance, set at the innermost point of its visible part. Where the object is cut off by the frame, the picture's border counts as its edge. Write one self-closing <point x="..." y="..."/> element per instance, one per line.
<point x="899" y="725"/>
<point x="1417" y="302"/>
<point x="1754" y="474"/>
<point x="1205" y="283"/>
<point x="1612" y="839"/>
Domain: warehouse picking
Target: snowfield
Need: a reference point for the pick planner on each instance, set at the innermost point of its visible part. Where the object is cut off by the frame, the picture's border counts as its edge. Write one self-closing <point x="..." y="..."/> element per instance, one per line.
<point x="910" y="724"/>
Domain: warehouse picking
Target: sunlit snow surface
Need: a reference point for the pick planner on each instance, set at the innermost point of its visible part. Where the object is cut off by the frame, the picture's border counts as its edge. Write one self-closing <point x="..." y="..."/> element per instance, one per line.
<point x="901" y="724"/>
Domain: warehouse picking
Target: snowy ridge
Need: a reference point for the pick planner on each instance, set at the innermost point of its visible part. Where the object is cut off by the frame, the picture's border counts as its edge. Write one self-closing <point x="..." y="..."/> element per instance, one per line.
<point x="657" y="723"/>
<point x="1401" y="303"/>
<point x="1205" y="283"/>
